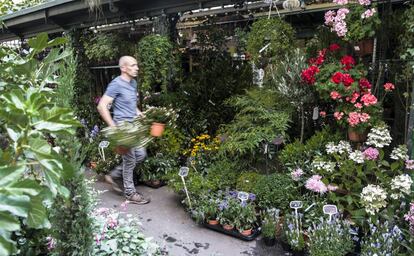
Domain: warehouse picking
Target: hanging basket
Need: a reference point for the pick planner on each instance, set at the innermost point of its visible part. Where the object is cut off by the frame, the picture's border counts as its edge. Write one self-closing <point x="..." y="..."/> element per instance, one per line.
<point x="157" y="129"/>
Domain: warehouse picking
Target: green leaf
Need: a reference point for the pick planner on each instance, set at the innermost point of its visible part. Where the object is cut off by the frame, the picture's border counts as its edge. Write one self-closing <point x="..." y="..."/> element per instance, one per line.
<point x="10" y="174"/>
<point x="29" y="187"/>
<point x="394" y="166"/>
<point x="7" y="246"/>
<point x="51" y="126"/>
<point x="16" y="204"/>
<point x="57" y="41"/>
<point x="39" y="42"/>
<point x="8" y="222"/>
<point x="37" y="217"/>
<point x="13" y="135"/>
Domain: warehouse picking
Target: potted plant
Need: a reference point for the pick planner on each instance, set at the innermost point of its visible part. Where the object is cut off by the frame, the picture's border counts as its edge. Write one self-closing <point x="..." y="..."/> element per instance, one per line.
<point x="330" y="238"/>
<point x="229" y="209"/>
<point x="293" y="234"/>
<point x="159" y="117"/>
<point x="246" y="219"/>
<point x="269" y="232"/>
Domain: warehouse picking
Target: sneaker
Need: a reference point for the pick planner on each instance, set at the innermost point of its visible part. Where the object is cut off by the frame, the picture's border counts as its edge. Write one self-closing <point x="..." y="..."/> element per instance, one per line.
<point x="117" y="184"/>
<point x="137" y="198"/>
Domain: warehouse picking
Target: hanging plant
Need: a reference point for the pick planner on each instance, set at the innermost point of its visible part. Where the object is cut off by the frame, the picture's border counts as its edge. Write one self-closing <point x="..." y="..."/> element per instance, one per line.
<point x="102" y="47"/>
<point x="158" y="63"/>
<point x="277" y="32"/>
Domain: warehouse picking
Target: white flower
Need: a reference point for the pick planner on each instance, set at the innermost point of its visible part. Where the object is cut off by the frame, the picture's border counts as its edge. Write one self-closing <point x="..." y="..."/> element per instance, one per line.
<point x="342" y="147"/>
<point x="400" y="153"/>
<point x="401" y="185"/>
<point x="357" y="156"/>
<point x="373" y="197"/>
<point x="320" y="165"/>
<point x="379" y="137"/>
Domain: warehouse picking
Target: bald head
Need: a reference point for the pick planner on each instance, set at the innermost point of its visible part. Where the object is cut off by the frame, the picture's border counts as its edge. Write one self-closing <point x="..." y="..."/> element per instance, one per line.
<point x="128" y="66"/>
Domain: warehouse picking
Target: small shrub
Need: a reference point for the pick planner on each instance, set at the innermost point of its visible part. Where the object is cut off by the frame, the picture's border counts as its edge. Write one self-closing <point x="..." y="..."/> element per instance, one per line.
<point x="247" y="181"/>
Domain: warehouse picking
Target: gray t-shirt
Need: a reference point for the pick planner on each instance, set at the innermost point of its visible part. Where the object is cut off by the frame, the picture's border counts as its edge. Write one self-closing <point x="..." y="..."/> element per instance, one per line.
<point x="125" y="99"/>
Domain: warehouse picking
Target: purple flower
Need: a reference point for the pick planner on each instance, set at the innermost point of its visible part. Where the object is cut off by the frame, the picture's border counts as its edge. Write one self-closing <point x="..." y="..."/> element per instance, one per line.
<point x="223" y="205"/>
<point x="233" y="194"/>
<point x="94" y="131"/>
<point x="409" y="164"/>
<point x="371" y="153"/>
<point x="252" y="197"/>
<point x="83" y="122"/>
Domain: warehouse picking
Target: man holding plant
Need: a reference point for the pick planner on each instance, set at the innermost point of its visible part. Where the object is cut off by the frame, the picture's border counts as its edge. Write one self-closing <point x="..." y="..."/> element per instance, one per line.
<point x="121" y="93"/>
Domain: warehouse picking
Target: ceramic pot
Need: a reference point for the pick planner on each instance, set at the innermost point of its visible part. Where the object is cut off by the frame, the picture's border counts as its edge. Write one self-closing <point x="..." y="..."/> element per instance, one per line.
<point x="213" y="222"/>
<point x="157" y="129"/>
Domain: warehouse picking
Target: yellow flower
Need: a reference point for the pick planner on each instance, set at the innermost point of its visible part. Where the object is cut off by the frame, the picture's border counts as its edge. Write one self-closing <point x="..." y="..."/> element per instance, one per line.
<point x="192" y="140"/>
<point x="193" y="153"/>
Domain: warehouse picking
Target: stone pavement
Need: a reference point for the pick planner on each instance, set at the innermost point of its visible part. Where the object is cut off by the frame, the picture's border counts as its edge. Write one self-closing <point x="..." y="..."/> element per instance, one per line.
<point x="165" y="220"/>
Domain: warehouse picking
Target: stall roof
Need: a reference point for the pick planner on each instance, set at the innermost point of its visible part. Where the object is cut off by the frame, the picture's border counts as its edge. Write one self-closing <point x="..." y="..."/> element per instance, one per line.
<point x="61" y="15"/>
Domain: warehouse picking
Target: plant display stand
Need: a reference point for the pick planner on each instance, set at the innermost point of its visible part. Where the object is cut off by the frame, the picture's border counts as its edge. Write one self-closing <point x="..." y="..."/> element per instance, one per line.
<point x="233" y="233"/>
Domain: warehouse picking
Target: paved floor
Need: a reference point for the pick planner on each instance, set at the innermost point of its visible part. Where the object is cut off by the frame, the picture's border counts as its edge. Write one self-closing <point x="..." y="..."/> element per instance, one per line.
<point x="165" y="220"/>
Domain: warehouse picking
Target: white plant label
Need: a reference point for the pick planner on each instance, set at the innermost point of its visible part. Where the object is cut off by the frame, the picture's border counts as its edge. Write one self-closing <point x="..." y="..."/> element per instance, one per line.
<point x="103" y="144"/>
<point x="330" y="209"/>
<point x="183" y="171"/>
<point x="296" y="204"/>
<point x="315" y="113"/>
<point x="243" y="196"/>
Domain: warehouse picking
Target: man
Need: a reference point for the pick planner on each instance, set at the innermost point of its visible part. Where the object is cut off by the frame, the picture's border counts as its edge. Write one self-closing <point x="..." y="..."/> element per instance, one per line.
<point x="122" y="95"/>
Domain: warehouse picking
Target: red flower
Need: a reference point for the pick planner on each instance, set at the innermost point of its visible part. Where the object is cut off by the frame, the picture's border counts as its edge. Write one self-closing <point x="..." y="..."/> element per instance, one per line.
<point x="308" y="75"/>
<point x="347" y="80"/>
<point x="389" y="87"/>
<point x="348" y="62"/>
<point x="364" y="84"/>
<point x="334" y="47"/>
<point x="322" y="113"/>
<point x="337" y="78"/>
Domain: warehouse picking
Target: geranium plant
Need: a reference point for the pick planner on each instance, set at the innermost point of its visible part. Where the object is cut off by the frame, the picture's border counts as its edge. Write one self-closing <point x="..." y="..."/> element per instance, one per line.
<point x="342" y="82"/>
<point x="355" y="21"/>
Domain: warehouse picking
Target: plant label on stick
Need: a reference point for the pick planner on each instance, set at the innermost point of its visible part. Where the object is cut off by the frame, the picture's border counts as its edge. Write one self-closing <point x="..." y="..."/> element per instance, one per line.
<point x="103" y="144"/>
<point x="315" y="113"/>
<point x="296" y="205"/>
<point x="330" y="209"/>
<point x="243" y="196"/>
<point x="183" y="171"/>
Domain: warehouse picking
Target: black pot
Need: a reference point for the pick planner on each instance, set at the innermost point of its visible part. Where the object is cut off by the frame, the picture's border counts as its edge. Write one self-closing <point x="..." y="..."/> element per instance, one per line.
<point x="269" y="241"/>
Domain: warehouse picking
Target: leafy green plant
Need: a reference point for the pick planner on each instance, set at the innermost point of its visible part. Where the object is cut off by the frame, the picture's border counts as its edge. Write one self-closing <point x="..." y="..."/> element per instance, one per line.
<point x="262" y="116"/>
<point x="102" y="47"/>
<point x="293" y="233"/>
<point x="157" y="167"/>
<point x="158" y="62"/>
<point x="160" y="115"/>
<point x="275" y="191"/>
<point x="268" y="229"/>
<point x="207" y="207"/>
<point x="275" y="31"/>
<point x="247" y="181"/>
<point x="111" y="161"/>
<point x="31" y="171"/>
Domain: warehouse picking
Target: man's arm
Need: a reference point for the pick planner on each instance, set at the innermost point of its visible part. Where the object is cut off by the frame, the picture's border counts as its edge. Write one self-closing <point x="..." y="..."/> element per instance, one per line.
<point x="104" y="111"/>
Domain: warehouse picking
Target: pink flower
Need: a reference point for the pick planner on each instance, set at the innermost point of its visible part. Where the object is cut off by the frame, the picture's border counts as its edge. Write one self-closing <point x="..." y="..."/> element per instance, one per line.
<point x="316" y="185"/>
<point x="389" y="87"/>
<point x="51" y="243"/>
<point x="371" y="153"/>
<point x="353" y="119"/>
<point x="364" y="2"/>
<point x="368" y="13"/>
<point x="338" y="115"/>
<point x="369" y="99"/>
<point x="296" y="174"/>
<point x="124" y="206"/>
<point x="409" y="164"/>
<point x="341" y="14"/>
<point x="329" y="17"/>
<point x="335" y="95"/>
<point x="322" y="113"/>
<point x="358" y="105"/>
<point x="341" y="2"/>
<point x="340" y="28"/>
<point x="364" y="117"/>
<point x="332" y="187"/>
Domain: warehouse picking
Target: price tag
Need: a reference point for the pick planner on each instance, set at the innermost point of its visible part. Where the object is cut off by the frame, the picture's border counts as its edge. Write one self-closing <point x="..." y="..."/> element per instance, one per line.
<point x="296" y="204"/>
<point x="243" y="196"/>
<point x="183" y="171"/>
<point x="104" y="144"/>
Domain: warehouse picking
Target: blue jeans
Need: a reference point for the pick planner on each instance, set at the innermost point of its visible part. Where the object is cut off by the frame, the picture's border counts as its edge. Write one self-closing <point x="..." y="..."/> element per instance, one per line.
<point x="125" y="170"/>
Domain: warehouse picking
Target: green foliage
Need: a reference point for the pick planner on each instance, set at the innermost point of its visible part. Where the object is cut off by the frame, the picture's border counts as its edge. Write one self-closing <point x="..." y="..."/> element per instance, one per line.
<point x="157" y="167"/>
<point x="275" y="191"/>
<point x="102" y="47"/>
<point x="275" y="31"/>
<point x="297" y="154"/>
<point x="31" y="172"/>
<point x="358" y="28"/>
<point x="322" y="38"/>
<point x="262" y="115"/>
<point x="9" y="6"/>
<point x="159" y="63"/>
<point x="169" y="143"/>
<point x="66" y="80"/>
<point x="206" y="207"/>
<point x="111" y="161"/>
<point x="247" y="181"/>
<point x="223" y="174"/>
<point x="269" y="229"/>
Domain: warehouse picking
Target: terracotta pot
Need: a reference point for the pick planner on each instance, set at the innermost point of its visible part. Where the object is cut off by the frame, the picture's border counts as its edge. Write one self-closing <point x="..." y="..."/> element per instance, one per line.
<point x="228" y="227"/>
<point x="92" y="165"/>
<point x="121" y="150"/>
<point x="213" y="222"/>
<point x="355" y="136"/>
<point x="247" y="232"/>
<point x="157" y="129"/>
